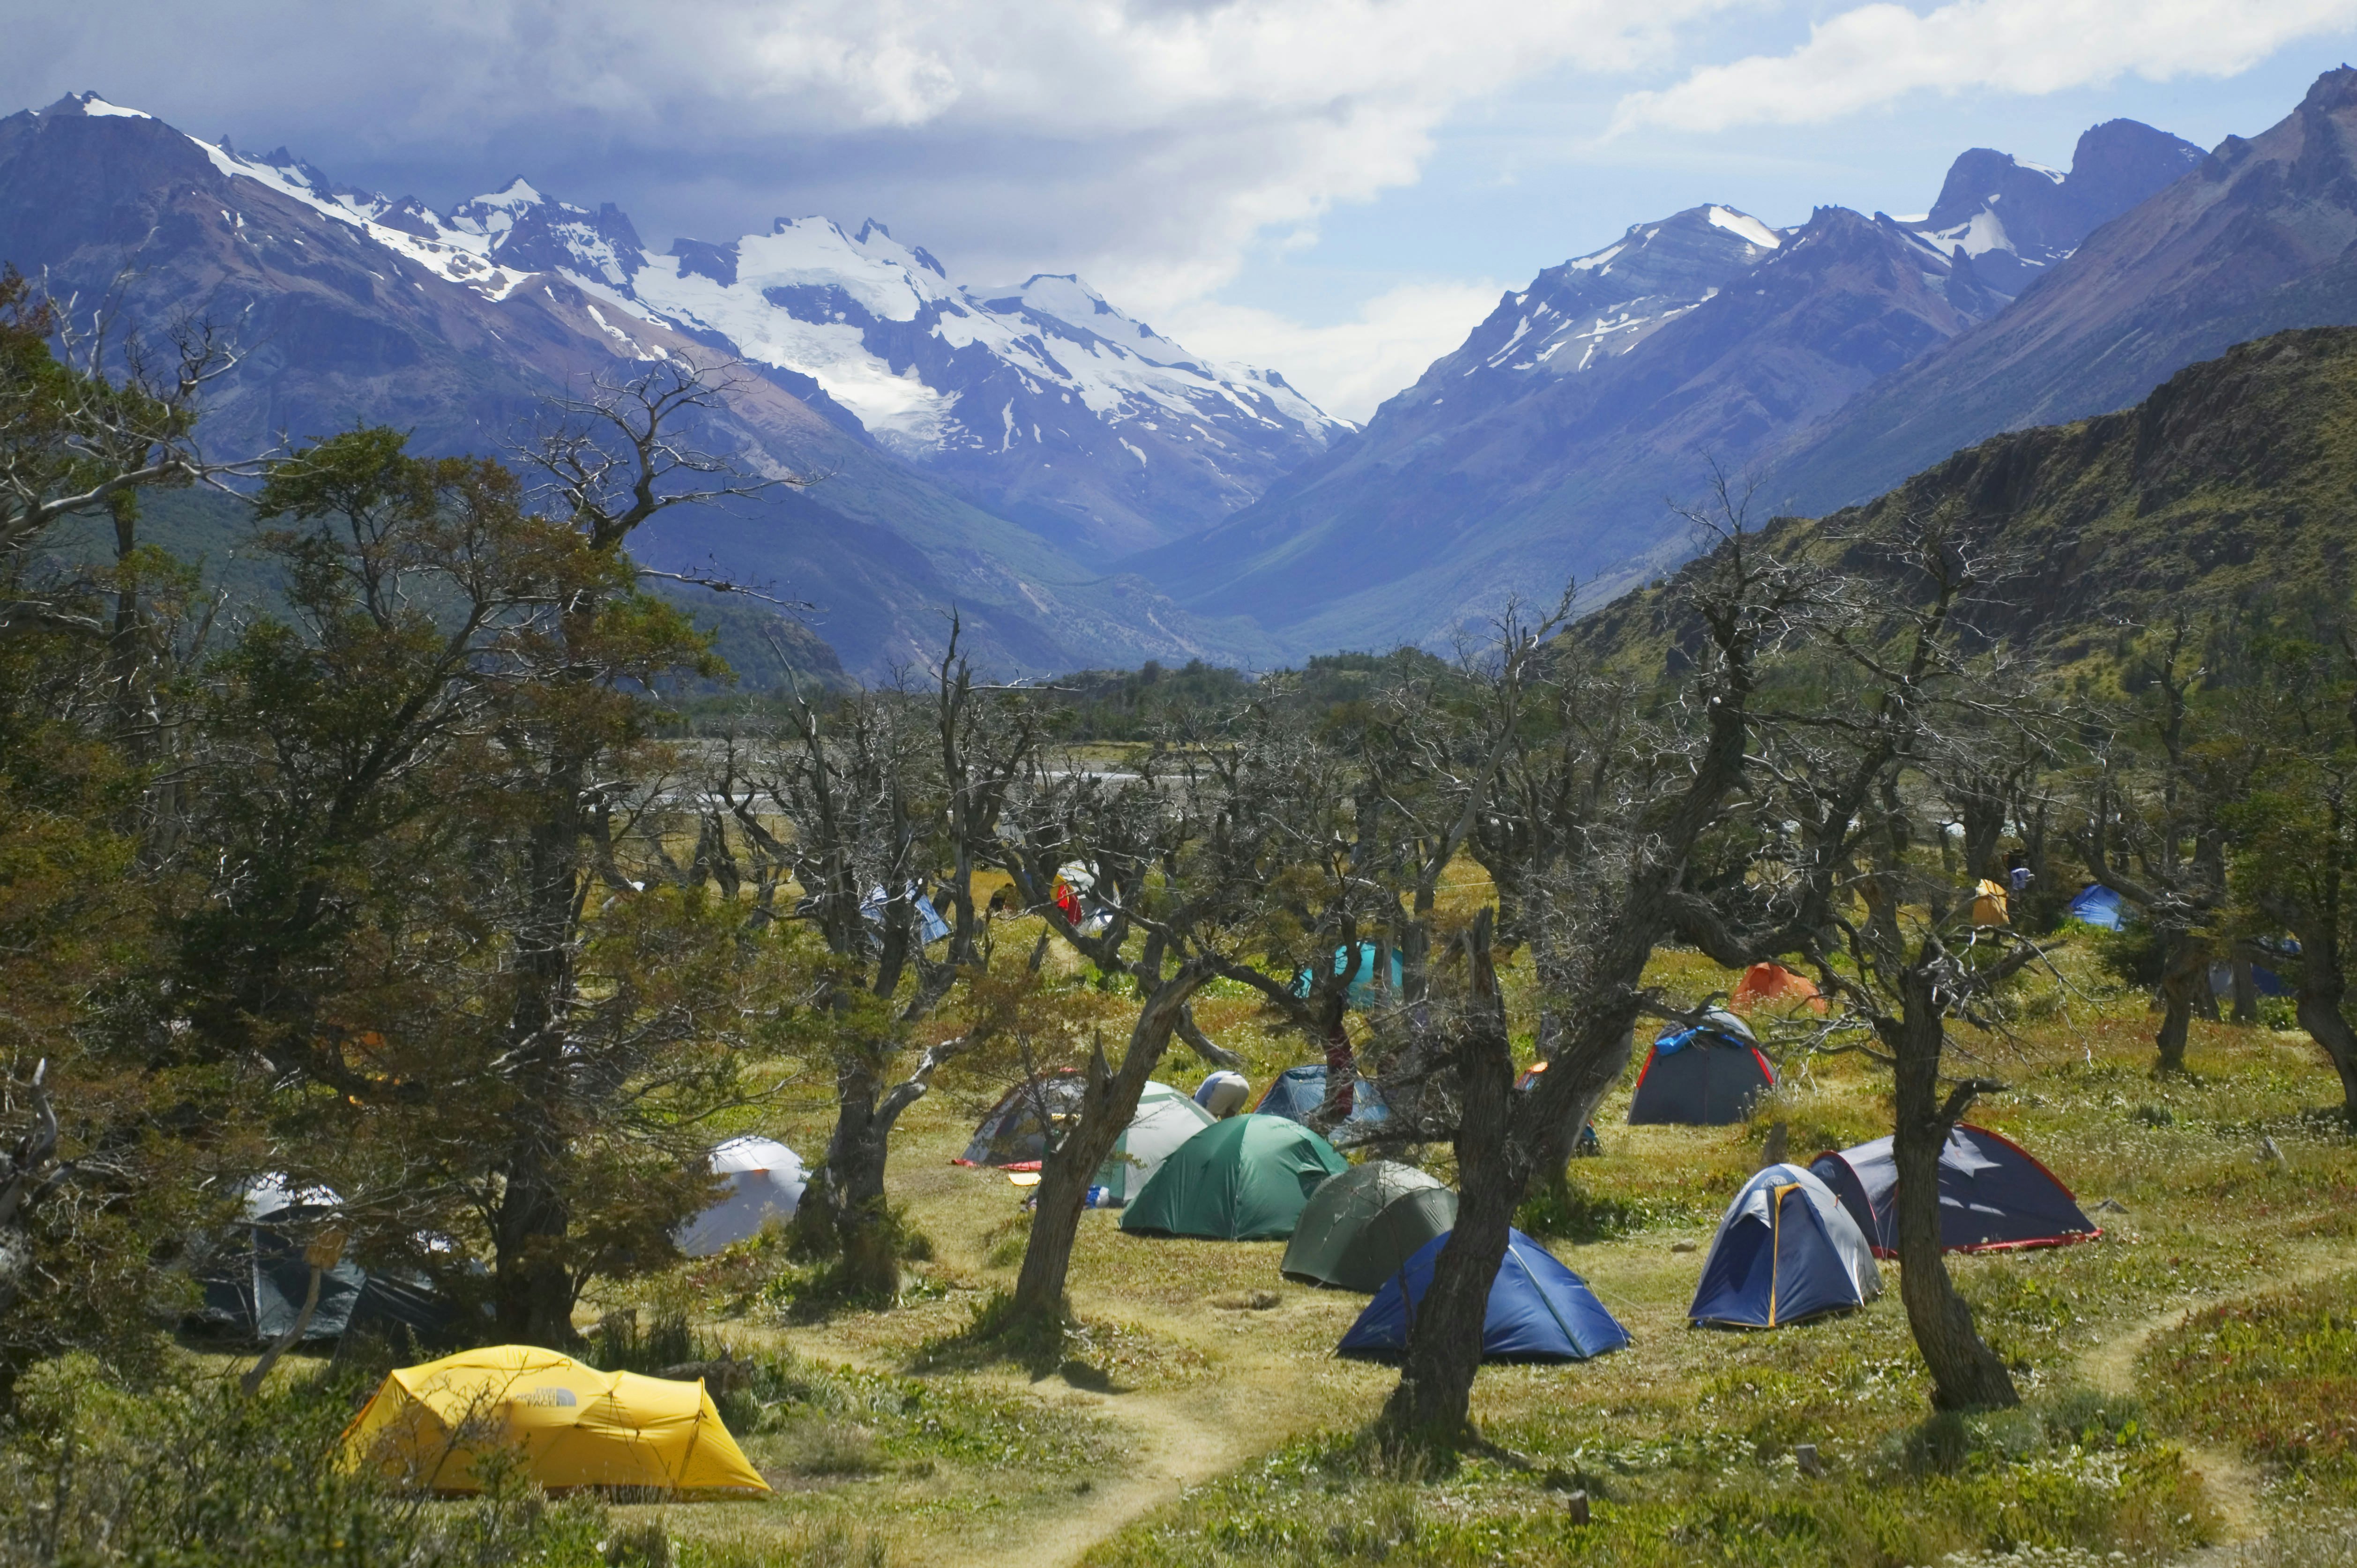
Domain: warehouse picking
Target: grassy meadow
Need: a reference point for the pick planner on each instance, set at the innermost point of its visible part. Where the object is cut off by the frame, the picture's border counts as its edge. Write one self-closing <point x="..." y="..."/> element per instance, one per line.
<point x="2187" y="1378"/>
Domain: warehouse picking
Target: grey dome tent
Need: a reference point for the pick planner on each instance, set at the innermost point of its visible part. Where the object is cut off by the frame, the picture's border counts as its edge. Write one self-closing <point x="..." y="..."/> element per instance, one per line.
<point x="765" y="1182"/>
<point x="1014" y="1131"/>
<point x="1994" y="1194"/>
<point x="1786" y="1251"/>
<point x="1703" y="1077"/>
<point x="1360" y="1227"/>
<point x="254" y="1278"/>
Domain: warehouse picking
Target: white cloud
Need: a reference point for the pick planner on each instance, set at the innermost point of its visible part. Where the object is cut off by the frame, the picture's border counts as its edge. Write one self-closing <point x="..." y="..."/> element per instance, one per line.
<point x="1879" y="54"/>
<point x="1349" y="368"/>
<point x="1158" y="139"/>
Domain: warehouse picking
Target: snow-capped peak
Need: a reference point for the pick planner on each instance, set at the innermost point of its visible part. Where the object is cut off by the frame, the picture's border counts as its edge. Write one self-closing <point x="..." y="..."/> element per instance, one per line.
<point x="1001" y="386"/>
<point x="93" y="105"/>
<point x="1745" y="227"/>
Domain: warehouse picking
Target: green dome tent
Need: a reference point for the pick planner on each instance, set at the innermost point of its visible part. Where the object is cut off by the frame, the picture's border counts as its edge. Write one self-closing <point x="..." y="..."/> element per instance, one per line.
<point x="1243" y="1179"/>
<point x="1360" y="1227"/>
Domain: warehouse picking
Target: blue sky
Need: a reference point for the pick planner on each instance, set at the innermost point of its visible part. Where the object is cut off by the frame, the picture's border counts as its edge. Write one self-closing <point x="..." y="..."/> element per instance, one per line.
<point x="1336" y="188"/>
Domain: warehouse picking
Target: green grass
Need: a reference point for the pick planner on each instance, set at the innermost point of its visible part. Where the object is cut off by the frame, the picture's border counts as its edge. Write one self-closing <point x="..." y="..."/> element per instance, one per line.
<point x="2277" y="1374"/>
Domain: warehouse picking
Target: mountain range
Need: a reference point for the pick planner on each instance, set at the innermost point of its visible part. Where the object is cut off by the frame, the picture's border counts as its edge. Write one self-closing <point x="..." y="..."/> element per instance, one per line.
<point x="1086" y="492"/>
<point x="354" y="307"/>
<point x="1546" y="447"/>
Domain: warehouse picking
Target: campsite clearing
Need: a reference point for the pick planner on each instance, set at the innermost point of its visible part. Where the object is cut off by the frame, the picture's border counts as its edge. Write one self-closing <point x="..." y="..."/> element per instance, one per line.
<point x="1196" y="1423"/>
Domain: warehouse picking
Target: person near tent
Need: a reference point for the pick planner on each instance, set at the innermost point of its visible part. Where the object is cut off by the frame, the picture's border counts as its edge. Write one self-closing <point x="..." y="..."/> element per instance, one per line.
<point x="1786" y="1252"/>
<point x="1223" y="1093"/>
<point x="1586" y="1146"/>
<point x="1342" y="1076"/>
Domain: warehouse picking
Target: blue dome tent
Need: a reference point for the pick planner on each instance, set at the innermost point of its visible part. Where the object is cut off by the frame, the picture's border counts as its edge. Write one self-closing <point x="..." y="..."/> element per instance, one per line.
<point x="1539" y="1310"/>
<point x="1786" y="1250"/>
<point x="1706" y="1076"/>
<point x="1994" y="1194"/>
<point x="1299" y="1092"/>
<point x="2099" y="906"/>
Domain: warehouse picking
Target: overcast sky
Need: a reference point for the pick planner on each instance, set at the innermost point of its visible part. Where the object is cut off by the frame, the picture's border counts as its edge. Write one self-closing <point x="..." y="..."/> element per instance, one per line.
<point x="1336" y="188"/>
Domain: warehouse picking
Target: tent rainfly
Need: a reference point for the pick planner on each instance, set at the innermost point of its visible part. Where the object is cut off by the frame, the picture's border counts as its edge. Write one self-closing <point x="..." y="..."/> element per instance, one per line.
<point x="425" y="1426"/>
<point x="1539" y="1310"/>
<point x="1243" y="1179"/>
<point x="1703" y="1077"/>
<point x="1362" y="993"/>
<point x="1994" y="1194"/>
<point x="1012" y="1138"/>
<point x="2099" y="906"/>
<point x="1786" y="1250"/>
<point x="1014" y="1132"/>
<point x="1166" y="1120"/>
<point x="1776" y="988"/>
<point x="255" y="1278"/>
<point x="1359" y="1228"/>
<point x="1299" y="1092"/>
<point x="765" y="1181"/>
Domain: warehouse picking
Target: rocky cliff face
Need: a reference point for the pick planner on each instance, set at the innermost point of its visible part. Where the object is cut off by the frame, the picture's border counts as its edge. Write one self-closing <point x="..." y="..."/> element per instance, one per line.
<point x="351" y="308"/>
<point x="2254" y="238"/>
<point x="1548" y="446"/>
<point x="2223" y="490"/>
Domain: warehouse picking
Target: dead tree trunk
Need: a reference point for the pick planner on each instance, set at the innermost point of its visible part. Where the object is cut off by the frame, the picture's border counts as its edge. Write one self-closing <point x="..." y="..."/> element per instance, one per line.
<point x="1965" y="1373"/>
<point x="1108" y="1103"/>
<point x="1430" y="1406"/>
<point x="2184" y="987"/>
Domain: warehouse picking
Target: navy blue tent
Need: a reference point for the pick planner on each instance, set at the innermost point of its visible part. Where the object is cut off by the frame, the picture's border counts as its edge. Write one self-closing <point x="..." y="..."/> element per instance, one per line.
<point x="1299" y="1092"/>
<point x="1994" y="1194"/>
<point x="2098" y="906"/>
<point x="1706" y="1076"/>
<point x="1786" y="1251"/>
<point x="1539" y="1310"/>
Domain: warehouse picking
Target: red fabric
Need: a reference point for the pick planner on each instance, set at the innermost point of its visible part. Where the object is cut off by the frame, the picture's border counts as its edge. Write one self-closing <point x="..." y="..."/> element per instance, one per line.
<point x="1341" y="1094"/>
<point x="1069" y="905"/>
<point x="1769" y="983"/>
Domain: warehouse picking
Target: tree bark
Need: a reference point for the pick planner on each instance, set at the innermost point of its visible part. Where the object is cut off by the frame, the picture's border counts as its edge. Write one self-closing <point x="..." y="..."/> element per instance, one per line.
<point x="2184" y="983"/>
<point x="1965" y="1373"/>
<point x="1108" y="1105"/>
<point x="2246" y="989"/>
<point x="1431" y="1406"/>
<point x="844" y="1213"/>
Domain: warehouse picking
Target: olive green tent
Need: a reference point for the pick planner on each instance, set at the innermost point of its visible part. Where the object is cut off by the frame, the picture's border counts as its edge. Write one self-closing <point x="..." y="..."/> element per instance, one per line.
<point x="1360" y="1226"/>
<point x="1243" y="1179"/>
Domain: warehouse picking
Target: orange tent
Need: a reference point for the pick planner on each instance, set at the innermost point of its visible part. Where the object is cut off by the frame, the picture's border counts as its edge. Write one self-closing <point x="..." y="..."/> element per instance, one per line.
<point x="1773" y="986"/>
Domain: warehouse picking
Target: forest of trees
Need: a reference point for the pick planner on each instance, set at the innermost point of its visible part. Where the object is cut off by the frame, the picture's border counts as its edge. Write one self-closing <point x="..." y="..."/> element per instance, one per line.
<point x="414" y="884"/>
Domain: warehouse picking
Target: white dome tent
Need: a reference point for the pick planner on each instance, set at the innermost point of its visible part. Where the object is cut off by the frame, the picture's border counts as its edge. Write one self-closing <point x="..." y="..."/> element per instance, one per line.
<point x="765" y="1181"/>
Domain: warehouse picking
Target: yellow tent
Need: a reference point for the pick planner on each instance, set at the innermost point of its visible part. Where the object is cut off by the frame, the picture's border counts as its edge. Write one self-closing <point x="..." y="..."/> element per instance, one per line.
<point x="1989" y="904"/>
<point x="574" y="1425"/>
